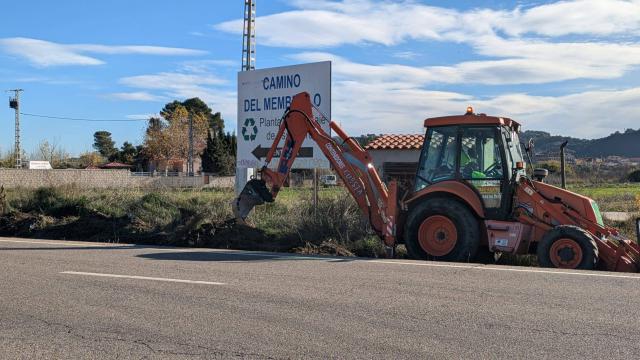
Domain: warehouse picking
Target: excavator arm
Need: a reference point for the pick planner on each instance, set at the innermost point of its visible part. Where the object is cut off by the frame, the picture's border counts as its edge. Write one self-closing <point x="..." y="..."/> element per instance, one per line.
<point x="351" y="162"/>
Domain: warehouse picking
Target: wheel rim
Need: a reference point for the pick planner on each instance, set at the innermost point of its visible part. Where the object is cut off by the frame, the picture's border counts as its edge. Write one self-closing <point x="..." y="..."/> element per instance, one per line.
<point x="565" y="253"/>
<point x="437" y="235"/>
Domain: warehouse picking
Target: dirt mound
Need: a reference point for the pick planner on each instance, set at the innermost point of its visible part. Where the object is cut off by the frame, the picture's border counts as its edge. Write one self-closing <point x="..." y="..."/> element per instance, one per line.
<point x="229" y="235"/>
<point x="328" y="247"/>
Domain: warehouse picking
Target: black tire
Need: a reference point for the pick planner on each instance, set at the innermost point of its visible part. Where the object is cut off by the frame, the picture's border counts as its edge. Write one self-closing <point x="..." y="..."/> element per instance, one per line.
<point x="581" y="237"/>
<point x="466" y="224"/>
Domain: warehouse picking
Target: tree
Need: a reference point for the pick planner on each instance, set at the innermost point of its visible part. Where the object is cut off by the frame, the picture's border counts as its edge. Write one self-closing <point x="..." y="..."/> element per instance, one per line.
<point x="169" y="138"/>
<point x="92" y="158"/>
<point x="127" y="153"/>
<point x="141" y="158"/>
<point x="8" y="160"/>
<point x="219" y="155"/>
<point x="195" y="106"/>
<point x="104" y="144"/>
<point x="209" y="154"/>
<point x="51" y="152"/>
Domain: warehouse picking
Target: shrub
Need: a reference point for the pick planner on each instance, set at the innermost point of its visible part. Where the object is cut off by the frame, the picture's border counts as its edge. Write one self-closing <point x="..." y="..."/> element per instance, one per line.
<point x="634" y="176"/>
<point x="52" y="201"/>
<point x="154" y="211"/>
<point x="336" y="217"/>
<point x="4" y="204"/>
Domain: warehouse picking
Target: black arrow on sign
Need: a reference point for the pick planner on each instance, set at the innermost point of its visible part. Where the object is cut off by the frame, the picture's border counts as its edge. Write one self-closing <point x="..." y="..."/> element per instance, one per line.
<point x="261" y="152"/>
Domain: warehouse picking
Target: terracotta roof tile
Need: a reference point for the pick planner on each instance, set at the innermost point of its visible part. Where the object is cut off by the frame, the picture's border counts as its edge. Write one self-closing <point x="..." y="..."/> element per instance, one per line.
<point x="396" y="142"/>
<point x="115" y="165"/>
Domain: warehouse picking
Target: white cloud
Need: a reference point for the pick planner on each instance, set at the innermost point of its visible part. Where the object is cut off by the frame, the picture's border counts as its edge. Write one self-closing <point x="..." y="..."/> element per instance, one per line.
<point x="396" y="98"/>
<point x="504" y="37"/>
<point x="136" y="96"/>
<point x="585" y="17"/>
<point x="322" y="23"/>
<point x="203" y="66"/>
<point x="407" y="55"/>
<point x="492" y="72"/>
<point x="171" y="80"/>
<point x="182" y="85"/>
<point x="386" y="108"/>
<point x="41" y="53"/>
<point x="589" y="114"/>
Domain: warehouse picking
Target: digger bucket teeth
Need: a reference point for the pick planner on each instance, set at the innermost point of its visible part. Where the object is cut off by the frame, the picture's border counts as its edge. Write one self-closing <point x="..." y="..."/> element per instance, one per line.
<point x="255" y="192"/>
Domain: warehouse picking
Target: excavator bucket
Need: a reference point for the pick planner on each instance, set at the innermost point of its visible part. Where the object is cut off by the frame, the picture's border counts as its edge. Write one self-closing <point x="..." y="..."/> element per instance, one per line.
<point x="255" y="192"/>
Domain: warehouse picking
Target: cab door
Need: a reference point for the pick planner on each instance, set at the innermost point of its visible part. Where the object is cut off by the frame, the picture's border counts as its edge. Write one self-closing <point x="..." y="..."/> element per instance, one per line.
<point x="482" y="166"/>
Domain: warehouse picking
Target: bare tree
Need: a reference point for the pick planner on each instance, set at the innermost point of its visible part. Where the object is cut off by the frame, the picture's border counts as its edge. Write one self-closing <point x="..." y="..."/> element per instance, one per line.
<point x="52" y="152"/>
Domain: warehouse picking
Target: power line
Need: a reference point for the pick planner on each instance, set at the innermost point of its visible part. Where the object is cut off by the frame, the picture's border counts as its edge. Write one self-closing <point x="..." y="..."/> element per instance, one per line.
<point x="81" y="119"/>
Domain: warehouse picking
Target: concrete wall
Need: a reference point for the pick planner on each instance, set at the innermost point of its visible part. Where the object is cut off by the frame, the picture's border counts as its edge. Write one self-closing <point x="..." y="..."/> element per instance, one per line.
<point x="12" y="178"/>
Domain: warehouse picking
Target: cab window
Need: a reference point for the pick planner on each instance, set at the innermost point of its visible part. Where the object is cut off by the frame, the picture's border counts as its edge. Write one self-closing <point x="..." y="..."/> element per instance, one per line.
<point x="513" y="150"/>
<point x="439" y="156"/>
<point x="480" y="157"/>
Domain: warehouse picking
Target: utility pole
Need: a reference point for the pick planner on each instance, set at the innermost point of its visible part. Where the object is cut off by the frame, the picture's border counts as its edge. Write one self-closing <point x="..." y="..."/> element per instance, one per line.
<point x="190" y="159"/>
<point x="249" y="36"/>
<point x="14" y="103"/>
<point x="243" y="174"/>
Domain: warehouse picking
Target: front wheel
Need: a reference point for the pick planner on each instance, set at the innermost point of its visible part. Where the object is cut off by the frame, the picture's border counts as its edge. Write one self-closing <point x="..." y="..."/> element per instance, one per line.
<point x="442" y="229"/>
<point x="568" y="247"/>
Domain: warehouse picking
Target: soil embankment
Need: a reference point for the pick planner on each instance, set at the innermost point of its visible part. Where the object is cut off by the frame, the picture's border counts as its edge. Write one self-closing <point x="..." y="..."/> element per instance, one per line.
<point x="188" y="218"/>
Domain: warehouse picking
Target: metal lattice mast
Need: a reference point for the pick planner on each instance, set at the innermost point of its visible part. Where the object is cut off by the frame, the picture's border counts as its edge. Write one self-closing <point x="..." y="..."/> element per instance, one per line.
<point x="15" y="104"/>
<point x="249" y="36"/>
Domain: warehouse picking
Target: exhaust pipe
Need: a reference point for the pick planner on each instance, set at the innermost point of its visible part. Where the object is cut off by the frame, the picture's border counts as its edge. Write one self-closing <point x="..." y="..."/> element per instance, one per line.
<point x="563" y="175"/>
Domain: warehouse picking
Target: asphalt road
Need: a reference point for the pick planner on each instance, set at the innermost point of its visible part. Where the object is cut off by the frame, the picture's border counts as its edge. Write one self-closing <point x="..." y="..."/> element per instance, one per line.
<point x="86" y="300"/>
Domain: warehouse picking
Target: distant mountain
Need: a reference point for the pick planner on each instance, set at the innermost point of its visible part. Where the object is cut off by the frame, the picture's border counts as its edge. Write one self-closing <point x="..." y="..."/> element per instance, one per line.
<point x="625" y="144"/>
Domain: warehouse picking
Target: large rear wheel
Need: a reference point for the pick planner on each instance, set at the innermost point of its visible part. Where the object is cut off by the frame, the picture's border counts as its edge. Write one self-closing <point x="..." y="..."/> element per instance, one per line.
<point x="442" y="229"/>
<point x="568" y="247"/>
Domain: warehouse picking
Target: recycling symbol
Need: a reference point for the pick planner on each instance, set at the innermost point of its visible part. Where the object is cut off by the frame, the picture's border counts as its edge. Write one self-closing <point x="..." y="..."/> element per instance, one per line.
<point x="249" y="130"/>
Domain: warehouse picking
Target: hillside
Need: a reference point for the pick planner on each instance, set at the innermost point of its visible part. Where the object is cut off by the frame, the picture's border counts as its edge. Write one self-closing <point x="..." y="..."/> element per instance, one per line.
<point x="625" y="144"/>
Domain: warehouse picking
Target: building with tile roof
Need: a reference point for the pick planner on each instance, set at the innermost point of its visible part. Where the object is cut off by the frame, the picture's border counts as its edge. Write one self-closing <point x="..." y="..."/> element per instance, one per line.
<point x="396" y="142"/>
<point x="396" y="156"/>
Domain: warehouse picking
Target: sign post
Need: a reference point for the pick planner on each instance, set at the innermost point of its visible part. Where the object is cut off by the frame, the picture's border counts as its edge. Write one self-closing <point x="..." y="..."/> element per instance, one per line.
<point x="263" y="97"/>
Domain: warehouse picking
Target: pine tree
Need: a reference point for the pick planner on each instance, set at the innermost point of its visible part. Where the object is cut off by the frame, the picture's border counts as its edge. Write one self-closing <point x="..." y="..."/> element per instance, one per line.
<point x="208" y="156"/>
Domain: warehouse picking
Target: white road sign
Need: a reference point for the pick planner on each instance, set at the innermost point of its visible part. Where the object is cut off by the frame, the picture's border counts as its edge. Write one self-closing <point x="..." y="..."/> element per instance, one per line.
<point x="263" y="97"/>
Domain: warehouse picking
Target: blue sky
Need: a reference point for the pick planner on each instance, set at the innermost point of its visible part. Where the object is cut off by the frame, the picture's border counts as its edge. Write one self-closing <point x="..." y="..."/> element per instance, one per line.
<point x="566" y="67"/>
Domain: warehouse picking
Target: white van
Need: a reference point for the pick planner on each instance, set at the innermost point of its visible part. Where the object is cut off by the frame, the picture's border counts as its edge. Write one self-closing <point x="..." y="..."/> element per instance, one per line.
<point x="328" y="180"/>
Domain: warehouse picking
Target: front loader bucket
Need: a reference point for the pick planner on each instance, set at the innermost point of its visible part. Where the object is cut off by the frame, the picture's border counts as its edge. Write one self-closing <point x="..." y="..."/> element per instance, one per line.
<point x="255" y="192"/>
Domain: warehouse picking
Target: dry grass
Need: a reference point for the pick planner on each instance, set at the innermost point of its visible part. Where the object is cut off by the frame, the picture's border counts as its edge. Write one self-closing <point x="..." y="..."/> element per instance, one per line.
<point x="196" y="218"/>
<point x="188" y="218"/>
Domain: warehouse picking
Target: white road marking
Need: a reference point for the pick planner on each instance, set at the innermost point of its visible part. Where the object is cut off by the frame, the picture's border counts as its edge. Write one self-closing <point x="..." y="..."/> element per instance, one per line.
<point x="495" y="268"/>
<point x="142" y="278"/>
<point x="65" y="243"/>
<point x="328" y="259"/>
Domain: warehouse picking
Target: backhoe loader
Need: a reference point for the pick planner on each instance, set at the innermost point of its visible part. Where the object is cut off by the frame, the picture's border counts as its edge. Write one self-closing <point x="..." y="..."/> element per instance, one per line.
<point x="471" y="195"/>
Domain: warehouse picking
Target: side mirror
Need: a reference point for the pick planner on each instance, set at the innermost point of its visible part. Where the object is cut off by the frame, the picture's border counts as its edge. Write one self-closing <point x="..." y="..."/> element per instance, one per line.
<point x="540" y="174"/>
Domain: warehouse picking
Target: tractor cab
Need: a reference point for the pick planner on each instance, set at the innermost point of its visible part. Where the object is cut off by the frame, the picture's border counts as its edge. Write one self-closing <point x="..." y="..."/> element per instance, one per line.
<point x="477" y="150"/>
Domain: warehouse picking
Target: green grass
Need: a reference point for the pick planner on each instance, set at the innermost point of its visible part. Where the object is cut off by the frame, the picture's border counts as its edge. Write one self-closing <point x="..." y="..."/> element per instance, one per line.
<point x="608" y="191"/>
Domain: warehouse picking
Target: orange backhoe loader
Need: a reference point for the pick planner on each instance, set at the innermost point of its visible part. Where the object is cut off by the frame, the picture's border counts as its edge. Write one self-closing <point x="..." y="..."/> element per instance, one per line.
<point x="471" y="195"/>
